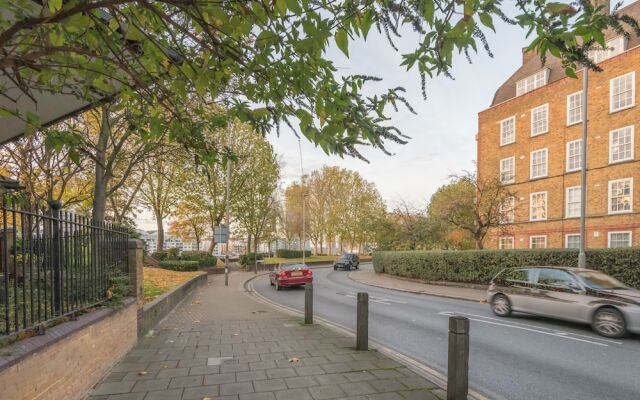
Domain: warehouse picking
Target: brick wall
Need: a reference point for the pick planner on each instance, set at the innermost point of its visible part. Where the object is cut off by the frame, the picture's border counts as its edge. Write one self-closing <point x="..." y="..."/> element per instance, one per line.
<point x="68" y="368"/>
<point x="601" y="122"/>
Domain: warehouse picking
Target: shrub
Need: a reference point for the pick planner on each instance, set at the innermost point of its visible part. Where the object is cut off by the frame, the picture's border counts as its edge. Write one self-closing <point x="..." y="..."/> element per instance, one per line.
<point x="160" y="255"/>
<point x="479" y="266"/>
<point x="202" y="257"/>
<point x="249" y="258"/>
<point x="180" y="265"/>
<point x="284" y="253"/>
<point x="172" y="253"/>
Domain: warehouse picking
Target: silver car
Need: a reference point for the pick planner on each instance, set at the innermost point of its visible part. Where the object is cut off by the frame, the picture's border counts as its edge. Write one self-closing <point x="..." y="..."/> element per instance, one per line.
<point x="571" y="294"/>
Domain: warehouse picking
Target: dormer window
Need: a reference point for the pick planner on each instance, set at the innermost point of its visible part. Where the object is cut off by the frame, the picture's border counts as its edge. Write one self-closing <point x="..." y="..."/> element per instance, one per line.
<point x="532" y="82"/>
<point x="613" y="47"/>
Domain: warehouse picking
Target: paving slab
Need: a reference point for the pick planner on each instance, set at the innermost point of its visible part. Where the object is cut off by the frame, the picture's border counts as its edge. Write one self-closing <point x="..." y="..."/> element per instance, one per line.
<point x="220" y="343"/>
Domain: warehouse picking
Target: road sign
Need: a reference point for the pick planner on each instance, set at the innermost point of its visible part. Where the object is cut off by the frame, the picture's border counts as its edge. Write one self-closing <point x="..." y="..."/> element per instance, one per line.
<point x="221" y="234"/>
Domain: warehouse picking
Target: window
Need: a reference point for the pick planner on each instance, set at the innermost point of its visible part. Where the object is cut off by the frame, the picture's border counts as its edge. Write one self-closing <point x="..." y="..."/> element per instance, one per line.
<point x="507" y="131"/>
<point x="619" y="239"/>
<point x="538" y="206"/>
<point x="540" y="120"/>
<point x="538" y="242"/>
<point x="508" y="170"/>
<point x="554" y="277"/>
<point x="622" y="91"/>
<point x="613" y="47"/>
<point x="572" y="209"/>
<point x="572" y="241"/>
<point x="519" y="275"/>
<point x="574" y="108"/>
<point x="538" y="163"/>
<point x="620" y="195"/>
<point x="621" y="144"/>
<point x="507" y="210"/>
<point x="574" y="154"/>
<point x="506" y="243"/>
<point x="532" y="82"/>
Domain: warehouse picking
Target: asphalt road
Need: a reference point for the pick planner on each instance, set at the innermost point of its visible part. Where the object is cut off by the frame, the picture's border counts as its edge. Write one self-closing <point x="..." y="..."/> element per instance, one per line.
<point x="511" y="358"/>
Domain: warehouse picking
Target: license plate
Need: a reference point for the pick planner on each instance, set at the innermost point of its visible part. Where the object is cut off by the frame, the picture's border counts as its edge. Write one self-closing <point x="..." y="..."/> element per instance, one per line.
<point x="297" y="273"/>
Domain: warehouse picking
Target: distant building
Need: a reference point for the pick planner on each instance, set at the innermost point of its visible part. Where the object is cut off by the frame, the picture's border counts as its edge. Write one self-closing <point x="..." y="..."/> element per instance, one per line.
<point x="530" y="138"/>
<point x="150" y="238"/>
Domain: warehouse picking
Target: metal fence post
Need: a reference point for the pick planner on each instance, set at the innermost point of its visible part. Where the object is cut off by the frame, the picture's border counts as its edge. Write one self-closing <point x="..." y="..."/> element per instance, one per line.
<point x="458" y="364"/>
<point x="362" y="323"/>
<point x="55" y="256"/>
<point x="308" y="303"/>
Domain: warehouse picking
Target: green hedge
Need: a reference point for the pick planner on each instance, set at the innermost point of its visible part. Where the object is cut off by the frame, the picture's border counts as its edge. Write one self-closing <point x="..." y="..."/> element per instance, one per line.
<point x="204" y="258"/>
<point x="250" y="258"/>
<point x="180" y="265"/>
<point x="479" y="266"/>
<point x="284" y="253"/>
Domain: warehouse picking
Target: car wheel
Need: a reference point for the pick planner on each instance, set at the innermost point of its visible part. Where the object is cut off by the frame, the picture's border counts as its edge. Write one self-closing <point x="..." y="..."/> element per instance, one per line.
<point x="500" y="305"/>
<point x="609" y="322"/>
<point x="278" y="287"/>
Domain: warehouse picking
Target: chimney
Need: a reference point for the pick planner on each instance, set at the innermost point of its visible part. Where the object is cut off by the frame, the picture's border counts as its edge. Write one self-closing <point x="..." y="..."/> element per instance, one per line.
<point x="527" y="55"/>
<point x="605" y="3"/>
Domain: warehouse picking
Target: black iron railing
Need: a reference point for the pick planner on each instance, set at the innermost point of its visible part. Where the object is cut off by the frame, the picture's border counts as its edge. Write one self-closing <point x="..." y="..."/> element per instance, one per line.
<point x="54" y="263"/>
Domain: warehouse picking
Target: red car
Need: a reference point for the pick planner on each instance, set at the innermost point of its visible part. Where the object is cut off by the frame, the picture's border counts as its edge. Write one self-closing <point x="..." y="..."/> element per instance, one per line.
<point x="290" y="274"/>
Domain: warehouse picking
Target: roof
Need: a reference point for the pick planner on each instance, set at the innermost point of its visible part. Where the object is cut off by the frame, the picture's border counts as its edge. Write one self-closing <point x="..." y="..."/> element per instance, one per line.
<point x="532" y="63"/>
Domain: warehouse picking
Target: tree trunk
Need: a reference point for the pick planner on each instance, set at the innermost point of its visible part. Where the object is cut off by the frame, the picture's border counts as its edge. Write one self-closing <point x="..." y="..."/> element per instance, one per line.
<point x="248" y="244"/>
<point x="100" y="183"/>
<point x="160" y="244"/>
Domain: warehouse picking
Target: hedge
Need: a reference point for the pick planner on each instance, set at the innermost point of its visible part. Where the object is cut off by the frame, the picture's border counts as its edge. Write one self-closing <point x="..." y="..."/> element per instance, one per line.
<point x="479" y="266"/>
<point x="284" y="253"/>
<point x="250" y="258"/>
<point x="203" y="257"/>
<point x="180" y="265"/>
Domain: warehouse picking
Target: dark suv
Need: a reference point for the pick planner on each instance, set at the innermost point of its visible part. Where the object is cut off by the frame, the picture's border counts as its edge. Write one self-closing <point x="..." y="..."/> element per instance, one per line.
<point x="347" y="261"/>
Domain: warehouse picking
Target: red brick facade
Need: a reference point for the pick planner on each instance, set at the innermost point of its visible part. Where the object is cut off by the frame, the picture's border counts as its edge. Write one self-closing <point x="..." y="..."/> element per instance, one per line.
<point x="601" y="221"/>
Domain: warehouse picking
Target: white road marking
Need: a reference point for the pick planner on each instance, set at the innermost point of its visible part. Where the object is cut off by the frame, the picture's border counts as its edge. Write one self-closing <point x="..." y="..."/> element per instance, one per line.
<point x="379" y="300"/>
<point x="533" y="328"/>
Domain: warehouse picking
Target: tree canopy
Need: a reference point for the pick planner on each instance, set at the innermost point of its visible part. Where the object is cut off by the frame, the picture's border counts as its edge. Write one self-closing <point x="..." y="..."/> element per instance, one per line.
<point x="265" y="62"/>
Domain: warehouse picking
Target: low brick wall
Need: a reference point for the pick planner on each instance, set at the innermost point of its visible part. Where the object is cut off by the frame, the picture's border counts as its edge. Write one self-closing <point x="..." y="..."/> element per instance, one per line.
<point x="155" y="311"/>
<point x="70" y="358"/>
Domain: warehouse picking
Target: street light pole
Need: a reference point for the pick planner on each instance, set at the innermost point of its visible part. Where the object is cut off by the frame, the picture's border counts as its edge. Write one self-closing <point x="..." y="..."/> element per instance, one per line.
<point x="582" y="256"/>
<point x="228" y="217"/>
<point x="304" y="198"/>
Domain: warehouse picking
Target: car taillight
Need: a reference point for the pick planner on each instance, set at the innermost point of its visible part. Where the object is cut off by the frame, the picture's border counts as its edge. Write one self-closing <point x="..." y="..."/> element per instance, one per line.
<point x="282" y="274"/>
<point x="308" y="272"/>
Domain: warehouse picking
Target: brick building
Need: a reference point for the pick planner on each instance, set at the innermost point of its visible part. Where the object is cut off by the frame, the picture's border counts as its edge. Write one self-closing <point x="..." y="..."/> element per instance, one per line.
<point x="530" y="138"/>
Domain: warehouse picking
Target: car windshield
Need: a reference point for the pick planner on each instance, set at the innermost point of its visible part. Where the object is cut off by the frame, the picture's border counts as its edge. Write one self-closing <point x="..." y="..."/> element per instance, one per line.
<point x="345" y="257"/>
<point x="598" y="280"/>
<point x="292" y="266"/>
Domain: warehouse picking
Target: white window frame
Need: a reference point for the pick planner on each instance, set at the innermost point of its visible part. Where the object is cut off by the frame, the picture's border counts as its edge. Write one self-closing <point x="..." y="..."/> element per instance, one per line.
<point x="566" y="239"/>
<point x="631" y="131"/>
<point x="579" y="155"/>
<point x="537" y="237"/>
<point x="546" y="206"/>
<point x="611" y="49"/>
<point x="511" y="212"/>
<point x="532" y="82"/>
<point x="633" y="92"/>
<point x="513" y="170"/>
<point x="618" y="232"/>
<point x="611" y="183"/>
<point x="502" y="141"/>
<point x="545" y="129"/>
<point x="569" y="109"/>
<point x="501" y="246"/>
<point x="546" y="163"/>
<point x="566" y="202"/>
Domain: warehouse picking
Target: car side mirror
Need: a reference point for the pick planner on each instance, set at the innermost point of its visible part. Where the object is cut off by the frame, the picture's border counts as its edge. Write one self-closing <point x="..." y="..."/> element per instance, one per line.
<point x="574" y="286"/>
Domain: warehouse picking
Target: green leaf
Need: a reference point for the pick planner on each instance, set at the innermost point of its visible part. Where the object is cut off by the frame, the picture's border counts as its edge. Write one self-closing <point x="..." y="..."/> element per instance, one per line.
<point x="282" y="6"/>
<point x="366" y="23"/>
<point x="342" y="40"/>
<point x="55" y="5"/>
<point x="294" y="6"/>
<point x="570" y="73"/>
<point x="487" y="21"/>
<point x="428" y="10"/>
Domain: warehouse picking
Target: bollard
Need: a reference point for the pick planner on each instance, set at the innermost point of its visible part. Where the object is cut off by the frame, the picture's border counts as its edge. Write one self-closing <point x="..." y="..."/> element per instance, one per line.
<point x="458" y="368"/>
<point x="362" y="323"/>
<point x="308" y="303"/>
<point x="226" y="270"/>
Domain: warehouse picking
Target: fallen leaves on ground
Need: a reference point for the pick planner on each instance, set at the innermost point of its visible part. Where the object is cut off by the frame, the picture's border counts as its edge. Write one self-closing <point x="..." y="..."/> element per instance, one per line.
<point x="158" y="281"/>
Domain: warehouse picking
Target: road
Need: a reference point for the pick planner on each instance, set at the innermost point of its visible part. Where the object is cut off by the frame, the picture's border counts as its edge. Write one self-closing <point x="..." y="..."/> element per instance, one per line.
<point x="516" y="358"/>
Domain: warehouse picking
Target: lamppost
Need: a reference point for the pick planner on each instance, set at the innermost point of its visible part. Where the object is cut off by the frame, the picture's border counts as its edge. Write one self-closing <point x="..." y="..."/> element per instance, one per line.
<point x="582" y="255"/>
<point x="304" y="202"/>
<point x="228" y="211"/>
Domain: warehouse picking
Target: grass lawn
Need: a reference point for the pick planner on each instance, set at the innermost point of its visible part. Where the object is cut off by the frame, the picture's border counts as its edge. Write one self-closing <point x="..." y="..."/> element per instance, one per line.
<point x="158" y="281"/>
<point x="277" y="260"/>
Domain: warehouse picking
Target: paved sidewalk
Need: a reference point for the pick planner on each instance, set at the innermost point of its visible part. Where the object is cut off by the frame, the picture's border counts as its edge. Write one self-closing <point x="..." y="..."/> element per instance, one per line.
<point x="221" y="344"/>
<point x="369" y="277"/>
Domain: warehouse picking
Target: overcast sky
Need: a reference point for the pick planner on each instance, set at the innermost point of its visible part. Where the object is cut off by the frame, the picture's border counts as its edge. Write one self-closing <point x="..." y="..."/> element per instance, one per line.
<point x="443" y="131"/>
